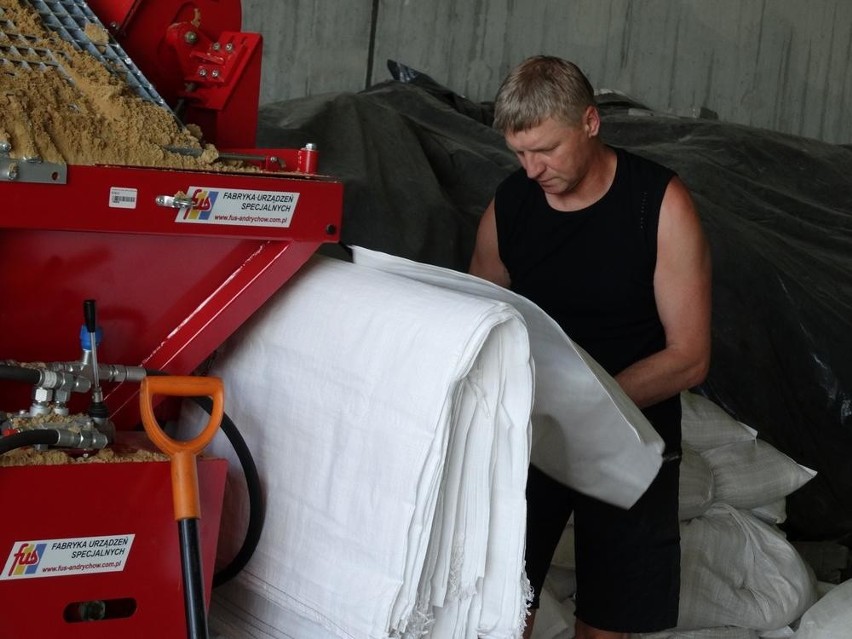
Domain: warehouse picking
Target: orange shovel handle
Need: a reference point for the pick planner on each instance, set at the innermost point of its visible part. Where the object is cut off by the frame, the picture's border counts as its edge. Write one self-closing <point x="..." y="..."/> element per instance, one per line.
<point x="182" y="453"/>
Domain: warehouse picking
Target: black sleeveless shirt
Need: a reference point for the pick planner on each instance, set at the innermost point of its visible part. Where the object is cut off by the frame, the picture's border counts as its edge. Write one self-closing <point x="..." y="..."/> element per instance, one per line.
<point x="592" y="270"/>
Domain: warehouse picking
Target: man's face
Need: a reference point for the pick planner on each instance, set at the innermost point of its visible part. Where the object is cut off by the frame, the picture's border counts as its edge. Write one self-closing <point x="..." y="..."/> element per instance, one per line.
<point x="553" y="153"/>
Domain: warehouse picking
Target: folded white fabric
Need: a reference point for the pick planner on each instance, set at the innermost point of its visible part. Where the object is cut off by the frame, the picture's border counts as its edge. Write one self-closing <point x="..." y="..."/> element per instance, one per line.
<point x="587" y="434"/>
<point x="389" y="421"/>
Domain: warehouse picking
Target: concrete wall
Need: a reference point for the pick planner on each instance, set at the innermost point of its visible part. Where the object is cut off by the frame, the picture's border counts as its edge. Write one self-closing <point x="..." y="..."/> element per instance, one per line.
<point x="784" y="65"/>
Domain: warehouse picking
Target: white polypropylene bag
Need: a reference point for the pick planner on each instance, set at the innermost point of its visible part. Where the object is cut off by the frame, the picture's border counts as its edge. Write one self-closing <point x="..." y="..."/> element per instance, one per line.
<point x="389" y="421"/>
<point x="696" y="490"/>
<point x="587" y="433"/>
<point x="707" y="425"/>
<point x="830" y="617"/>
<point x="749" y="474"/>
<point x="738" y="571"/>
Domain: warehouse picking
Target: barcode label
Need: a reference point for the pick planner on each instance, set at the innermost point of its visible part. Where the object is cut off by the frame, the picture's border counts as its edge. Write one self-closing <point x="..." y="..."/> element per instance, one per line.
<point x="122" y="198"/>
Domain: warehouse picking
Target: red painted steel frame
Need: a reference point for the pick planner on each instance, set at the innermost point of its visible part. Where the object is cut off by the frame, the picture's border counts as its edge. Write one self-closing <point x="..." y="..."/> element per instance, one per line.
<point x="91" y="500"/>
<point x="167" y="293"/>
<point x="193" y="53"/>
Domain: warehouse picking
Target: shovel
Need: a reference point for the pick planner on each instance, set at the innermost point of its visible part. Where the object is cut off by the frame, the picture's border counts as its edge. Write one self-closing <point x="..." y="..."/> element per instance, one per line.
<point x="187" y="506"/>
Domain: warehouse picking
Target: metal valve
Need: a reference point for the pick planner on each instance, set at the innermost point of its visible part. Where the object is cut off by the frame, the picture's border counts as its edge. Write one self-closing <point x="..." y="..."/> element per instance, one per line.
<point x="174" y="201"/>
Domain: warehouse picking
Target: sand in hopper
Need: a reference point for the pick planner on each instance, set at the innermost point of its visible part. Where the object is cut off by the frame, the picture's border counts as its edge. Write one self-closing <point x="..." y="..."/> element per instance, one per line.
<point x="93" y="119"/>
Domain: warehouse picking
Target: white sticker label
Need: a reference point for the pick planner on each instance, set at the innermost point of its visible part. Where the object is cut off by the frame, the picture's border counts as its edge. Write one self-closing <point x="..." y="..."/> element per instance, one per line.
<point x="59" y="557"/>
<point x="239" y="207"/>
<point x="121" y="198"/>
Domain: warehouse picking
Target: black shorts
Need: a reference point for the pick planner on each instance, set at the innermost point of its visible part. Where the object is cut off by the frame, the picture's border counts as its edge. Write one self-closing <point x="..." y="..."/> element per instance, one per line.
<point x="627" y="561"/>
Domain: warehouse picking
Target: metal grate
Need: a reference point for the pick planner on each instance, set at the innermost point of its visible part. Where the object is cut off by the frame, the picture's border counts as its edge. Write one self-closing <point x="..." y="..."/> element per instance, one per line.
<point x="18" y="51"/>
<point x="69" y="18"/>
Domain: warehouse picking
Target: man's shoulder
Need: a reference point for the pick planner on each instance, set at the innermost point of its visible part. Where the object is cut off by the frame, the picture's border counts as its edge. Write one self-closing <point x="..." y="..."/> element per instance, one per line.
<point x="515" y="183"/>
<point x="643" y="164"/>
<point x="518" y="176"/>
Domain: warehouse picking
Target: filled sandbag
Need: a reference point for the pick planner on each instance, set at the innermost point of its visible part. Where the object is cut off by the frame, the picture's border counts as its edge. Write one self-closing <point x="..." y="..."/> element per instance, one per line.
<point x="738" y="571"/>
<point x="696" y="491"/>
<point x="749" y="474"/>
<point x="772" y="513"/>
<point x="707" y="425"/>
<point x="830" y="617"/>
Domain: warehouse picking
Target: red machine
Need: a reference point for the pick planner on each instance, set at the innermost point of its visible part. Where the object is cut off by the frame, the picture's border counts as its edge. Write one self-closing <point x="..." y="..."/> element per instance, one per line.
<point x="177" y="260"/>
<point x="173" y="277"/>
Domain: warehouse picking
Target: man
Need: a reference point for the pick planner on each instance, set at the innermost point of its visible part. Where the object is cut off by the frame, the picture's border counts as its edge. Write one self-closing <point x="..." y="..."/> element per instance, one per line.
<point x="610" y="245"/>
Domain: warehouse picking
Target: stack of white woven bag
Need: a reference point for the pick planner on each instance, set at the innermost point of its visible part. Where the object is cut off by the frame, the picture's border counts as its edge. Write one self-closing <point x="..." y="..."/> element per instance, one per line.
<point x="388" y="407"/>
<point x="740" y="577"/>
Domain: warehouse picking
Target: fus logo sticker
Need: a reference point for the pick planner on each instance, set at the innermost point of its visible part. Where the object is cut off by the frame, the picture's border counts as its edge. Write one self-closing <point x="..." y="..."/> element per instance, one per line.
<point x="238" y="207"/>
<point x="73" y="556"/>
<point x="203" y="202"/>
<point x="25" y="560"/>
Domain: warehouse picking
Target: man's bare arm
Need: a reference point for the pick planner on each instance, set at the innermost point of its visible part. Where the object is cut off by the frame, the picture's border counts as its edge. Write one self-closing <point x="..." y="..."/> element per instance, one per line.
<point x="682" y="283"/>
<point x="486" y="262"/>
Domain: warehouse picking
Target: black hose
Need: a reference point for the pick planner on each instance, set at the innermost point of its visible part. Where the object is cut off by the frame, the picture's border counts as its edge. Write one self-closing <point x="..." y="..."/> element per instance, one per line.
<point x="49" y="436"/>
<point x="19" y="374"/>
<point x="257" y="509"/>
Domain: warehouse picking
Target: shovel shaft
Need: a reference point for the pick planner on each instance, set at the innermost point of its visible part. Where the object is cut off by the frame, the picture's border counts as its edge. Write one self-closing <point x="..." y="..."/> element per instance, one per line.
<point x="193" y="580"/>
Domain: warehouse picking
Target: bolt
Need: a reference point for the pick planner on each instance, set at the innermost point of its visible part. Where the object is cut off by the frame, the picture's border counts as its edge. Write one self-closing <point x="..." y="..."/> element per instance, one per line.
<point x="216" y="46"/>
<point x="190" y="37"/>
<point x="215" y="73"/>
<point x="229" y="46"/>
<point x="92" y="610"/>
<point x="5" y="147"/>
<point x="330" y="229"/>
<point x="202" y="72"/>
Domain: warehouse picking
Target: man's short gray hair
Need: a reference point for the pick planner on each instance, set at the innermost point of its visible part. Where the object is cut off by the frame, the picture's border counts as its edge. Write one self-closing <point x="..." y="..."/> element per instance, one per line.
<point x="538" y="88"/>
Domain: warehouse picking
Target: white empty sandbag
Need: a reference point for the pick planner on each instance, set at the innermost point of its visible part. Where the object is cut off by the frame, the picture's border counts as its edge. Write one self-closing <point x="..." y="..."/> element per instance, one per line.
<point x="738" y="571"/>
<point x="587" y="433"/>
<point x="389" y="421"/>
<point x="830" y="617"/>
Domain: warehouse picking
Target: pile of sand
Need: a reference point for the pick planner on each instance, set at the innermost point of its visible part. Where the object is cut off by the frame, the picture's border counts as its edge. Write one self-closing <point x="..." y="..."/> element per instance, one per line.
<point x="55" y="457"/>
<point x="132" y="450"/>
<point x="93" y="118"/>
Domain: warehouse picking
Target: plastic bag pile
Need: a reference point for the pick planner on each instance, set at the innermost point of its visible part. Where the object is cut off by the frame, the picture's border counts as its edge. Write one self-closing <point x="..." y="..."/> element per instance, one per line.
<point x="740" y="577"/>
